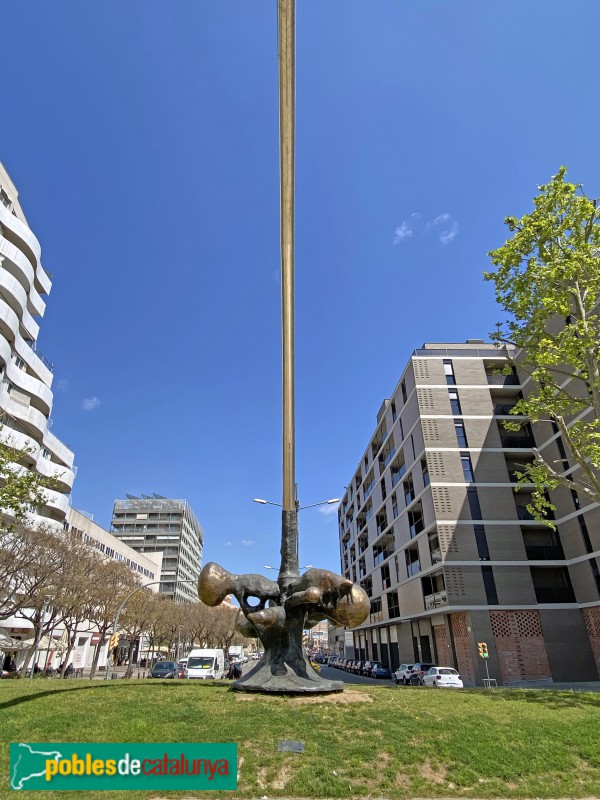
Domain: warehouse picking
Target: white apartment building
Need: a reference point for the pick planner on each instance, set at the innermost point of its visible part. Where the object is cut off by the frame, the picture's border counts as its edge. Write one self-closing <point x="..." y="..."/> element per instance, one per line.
<point x="25" y="375"/>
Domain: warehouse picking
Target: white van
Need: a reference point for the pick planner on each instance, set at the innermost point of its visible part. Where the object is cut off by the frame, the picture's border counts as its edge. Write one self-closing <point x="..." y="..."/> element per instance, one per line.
<point x="206" y="664"/>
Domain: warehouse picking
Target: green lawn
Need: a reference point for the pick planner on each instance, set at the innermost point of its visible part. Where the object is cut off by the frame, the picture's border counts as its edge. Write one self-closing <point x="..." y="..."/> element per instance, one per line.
<point x="395" y="743"/>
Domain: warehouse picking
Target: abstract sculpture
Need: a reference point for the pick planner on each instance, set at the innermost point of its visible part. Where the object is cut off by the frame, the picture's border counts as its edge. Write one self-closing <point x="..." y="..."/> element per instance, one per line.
<point x="278" y="617"/>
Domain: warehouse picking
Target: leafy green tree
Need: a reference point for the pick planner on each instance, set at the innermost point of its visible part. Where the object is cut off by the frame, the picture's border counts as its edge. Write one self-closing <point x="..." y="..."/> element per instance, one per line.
<point x="21" y="487"/>
<point x="547" y="279"/>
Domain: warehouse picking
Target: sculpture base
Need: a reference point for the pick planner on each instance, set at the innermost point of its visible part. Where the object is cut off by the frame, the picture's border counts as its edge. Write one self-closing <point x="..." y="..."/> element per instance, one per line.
<point x="262" y="679"/>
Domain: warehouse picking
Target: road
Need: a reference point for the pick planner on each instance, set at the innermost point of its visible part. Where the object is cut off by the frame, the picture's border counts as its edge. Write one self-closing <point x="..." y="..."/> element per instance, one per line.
<point x="333" y="674"/>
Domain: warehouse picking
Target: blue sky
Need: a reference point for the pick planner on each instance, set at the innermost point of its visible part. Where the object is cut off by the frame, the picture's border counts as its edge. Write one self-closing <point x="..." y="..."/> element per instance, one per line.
<point x="143" y="138"/>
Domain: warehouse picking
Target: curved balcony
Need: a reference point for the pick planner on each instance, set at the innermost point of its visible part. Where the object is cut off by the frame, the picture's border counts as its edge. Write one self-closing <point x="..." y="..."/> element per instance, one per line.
<point x="23" y="232"/>
<point x="59" y="449"/>
<point x="16" y="264"/>
<point x="19" y="440"/>
<point x="64" y="476"/>
<point x="17" y="300"/>
<point x="9" y="327"/>
<point x="57" y="501"/>
<point x="32" y="246"/>
<point x="41" y="395"/>
<point x="12" y="253"/>
<point x="23" y="413"/>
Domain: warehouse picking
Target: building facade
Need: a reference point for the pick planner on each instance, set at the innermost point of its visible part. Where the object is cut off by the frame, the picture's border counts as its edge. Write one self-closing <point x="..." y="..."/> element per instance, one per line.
<point x="150" y="524"/>
<point x="25" y="374"/>
<point x="432" y="528"/>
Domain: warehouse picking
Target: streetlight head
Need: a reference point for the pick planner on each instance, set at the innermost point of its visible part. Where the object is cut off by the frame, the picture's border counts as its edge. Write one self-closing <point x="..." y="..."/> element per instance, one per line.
<point x="266" y="566"/>
<point x="333" y="500"/>
<point x="260" y="500"/>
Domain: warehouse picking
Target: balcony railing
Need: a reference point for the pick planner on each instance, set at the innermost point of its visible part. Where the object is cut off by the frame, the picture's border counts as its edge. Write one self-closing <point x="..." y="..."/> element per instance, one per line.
<point x="536" y="552"/>
<point x="502" y="380"/>
<point x="368" y="489"/>
<point x="387" y="458"/>
<point x="397" y="475"/>
<point x="522" y="442"/>
<point x="435" y="600"/>
<point x="40" y="355"/>
<point x="562" y="594"/>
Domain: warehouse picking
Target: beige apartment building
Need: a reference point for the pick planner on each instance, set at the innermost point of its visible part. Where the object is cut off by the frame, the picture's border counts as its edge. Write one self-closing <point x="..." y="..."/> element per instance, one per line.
<point x="432" y="528"/>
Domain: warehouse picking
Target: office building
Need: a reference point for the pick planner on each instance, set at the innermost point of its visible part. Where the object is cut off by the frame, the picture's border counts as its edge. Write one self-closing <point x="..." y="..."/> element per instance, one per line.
<point x="146" y="566"/>
<point x="25" y="374"/>
<point x="153" y="523"/>
<point x="432" y="528"/>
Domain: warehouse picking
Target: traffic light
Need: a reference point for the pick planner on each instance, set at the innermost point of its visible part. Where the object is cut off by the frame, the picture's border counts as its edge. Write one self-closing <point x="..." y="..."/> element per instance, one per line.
<point x="114" y="641"/>
<point x="483" y="650"/>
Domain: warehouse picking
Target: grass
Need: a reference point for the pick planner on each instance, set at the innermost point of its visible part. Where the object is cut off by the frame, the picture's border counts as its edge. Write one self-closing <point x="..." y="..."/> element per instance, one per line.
<point x="395" y="743"/>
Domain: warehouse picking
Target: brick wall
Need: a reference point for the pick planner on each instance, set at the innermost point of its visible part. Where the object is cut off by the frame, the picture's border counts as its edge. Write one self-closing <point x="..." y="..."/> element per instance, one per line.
<point x="592" y="624"/>
<point x="462" y="645"/>
<point x="520" y="646"/>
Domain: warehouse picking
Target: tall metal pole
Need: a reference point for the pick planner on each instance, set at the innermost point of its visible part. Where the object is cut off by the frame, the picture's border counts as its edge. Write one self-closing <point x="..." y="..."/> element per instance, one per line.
<point x="289" y="528"/>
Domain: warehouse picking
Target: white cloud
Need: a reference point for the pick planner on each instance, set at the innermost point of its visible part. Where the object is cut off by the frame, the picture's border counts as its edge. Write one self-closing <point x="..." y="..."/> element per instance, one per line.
<point x="90" y="403"/>
<point x="248" y="542"/>
<point x="227" y="544"/>
<point x="449" y="235"/>
<point x="63" y="385"/>
<point x="329" y="510"/>
<point x="442" y="218"/>
<point x="404" y="231"/>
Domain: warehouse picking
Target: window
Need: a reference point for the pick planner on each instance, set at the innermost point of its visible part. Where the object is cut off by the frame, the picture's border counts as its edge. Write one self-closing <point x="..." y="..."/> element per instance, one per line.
<point x="434" y="548"/>
<point x="490" y="586"/>
<point x="409" y="490"/>
<point x="376" y="606"/>
<point x="413" y="564"/>
<point x="425" y="471"/>
<point x="474" y="507"/>
<point x="394" y="505"/>
<point x="449" y="372"/>
<point x="454" y="402"/>
<point x="467" y="467"/>
<point x="386" y="581"/>
<point x="552" y="585"/>
<point x="415" y="520"/>
<point x="403" y="390"/>
<point x="394" y="414"/>
<point x="481" y="542"/>
<point x="393" y="605"/>
<point x="461" y="436"/>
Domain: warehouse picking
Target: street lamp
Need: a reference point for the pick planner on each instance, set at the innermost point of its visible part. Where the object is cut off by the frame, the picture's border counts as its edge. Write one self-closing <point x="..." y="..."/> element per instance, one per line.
<point x="308" y="566"/>
<point x="298" y="507"/>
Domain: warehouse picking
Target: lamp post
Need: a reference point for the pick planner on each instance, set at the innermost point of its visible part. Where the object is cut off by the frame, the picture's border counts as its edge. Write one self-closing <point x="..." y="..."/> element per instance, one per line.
<point x="122" y="606"/>
<point x="298" y="507"/>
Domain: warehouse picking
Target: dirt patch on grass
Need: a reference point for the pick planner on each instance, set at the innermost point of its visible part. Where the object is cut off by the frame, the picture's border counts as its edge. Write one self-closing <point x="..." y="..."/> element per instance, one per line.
<point x="283" y="777"/>
<point x="340" y="698"/>
<point x="434" y="773"/>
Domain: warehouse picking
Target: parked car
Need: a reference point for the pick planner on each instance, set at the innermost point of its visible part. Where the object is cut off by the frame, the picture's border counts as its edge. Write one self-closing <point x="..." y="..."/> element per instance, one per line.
<point x="379" y="670"/>
<point x="366" y="669"/>
<point x="350" y="665"/>
<point x="442" y="677"/>
<point x="357" y="667"/>
<point x="402" y="674"/>
<point x="164" y="669"/>
<point x="419" y="669"/>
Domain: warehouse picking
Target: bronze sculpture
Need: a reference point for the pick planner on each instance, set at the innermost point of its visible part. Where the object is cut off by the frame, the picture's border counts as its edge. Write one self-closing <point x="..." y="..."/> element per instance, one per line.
<point x="278" y="617"/>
